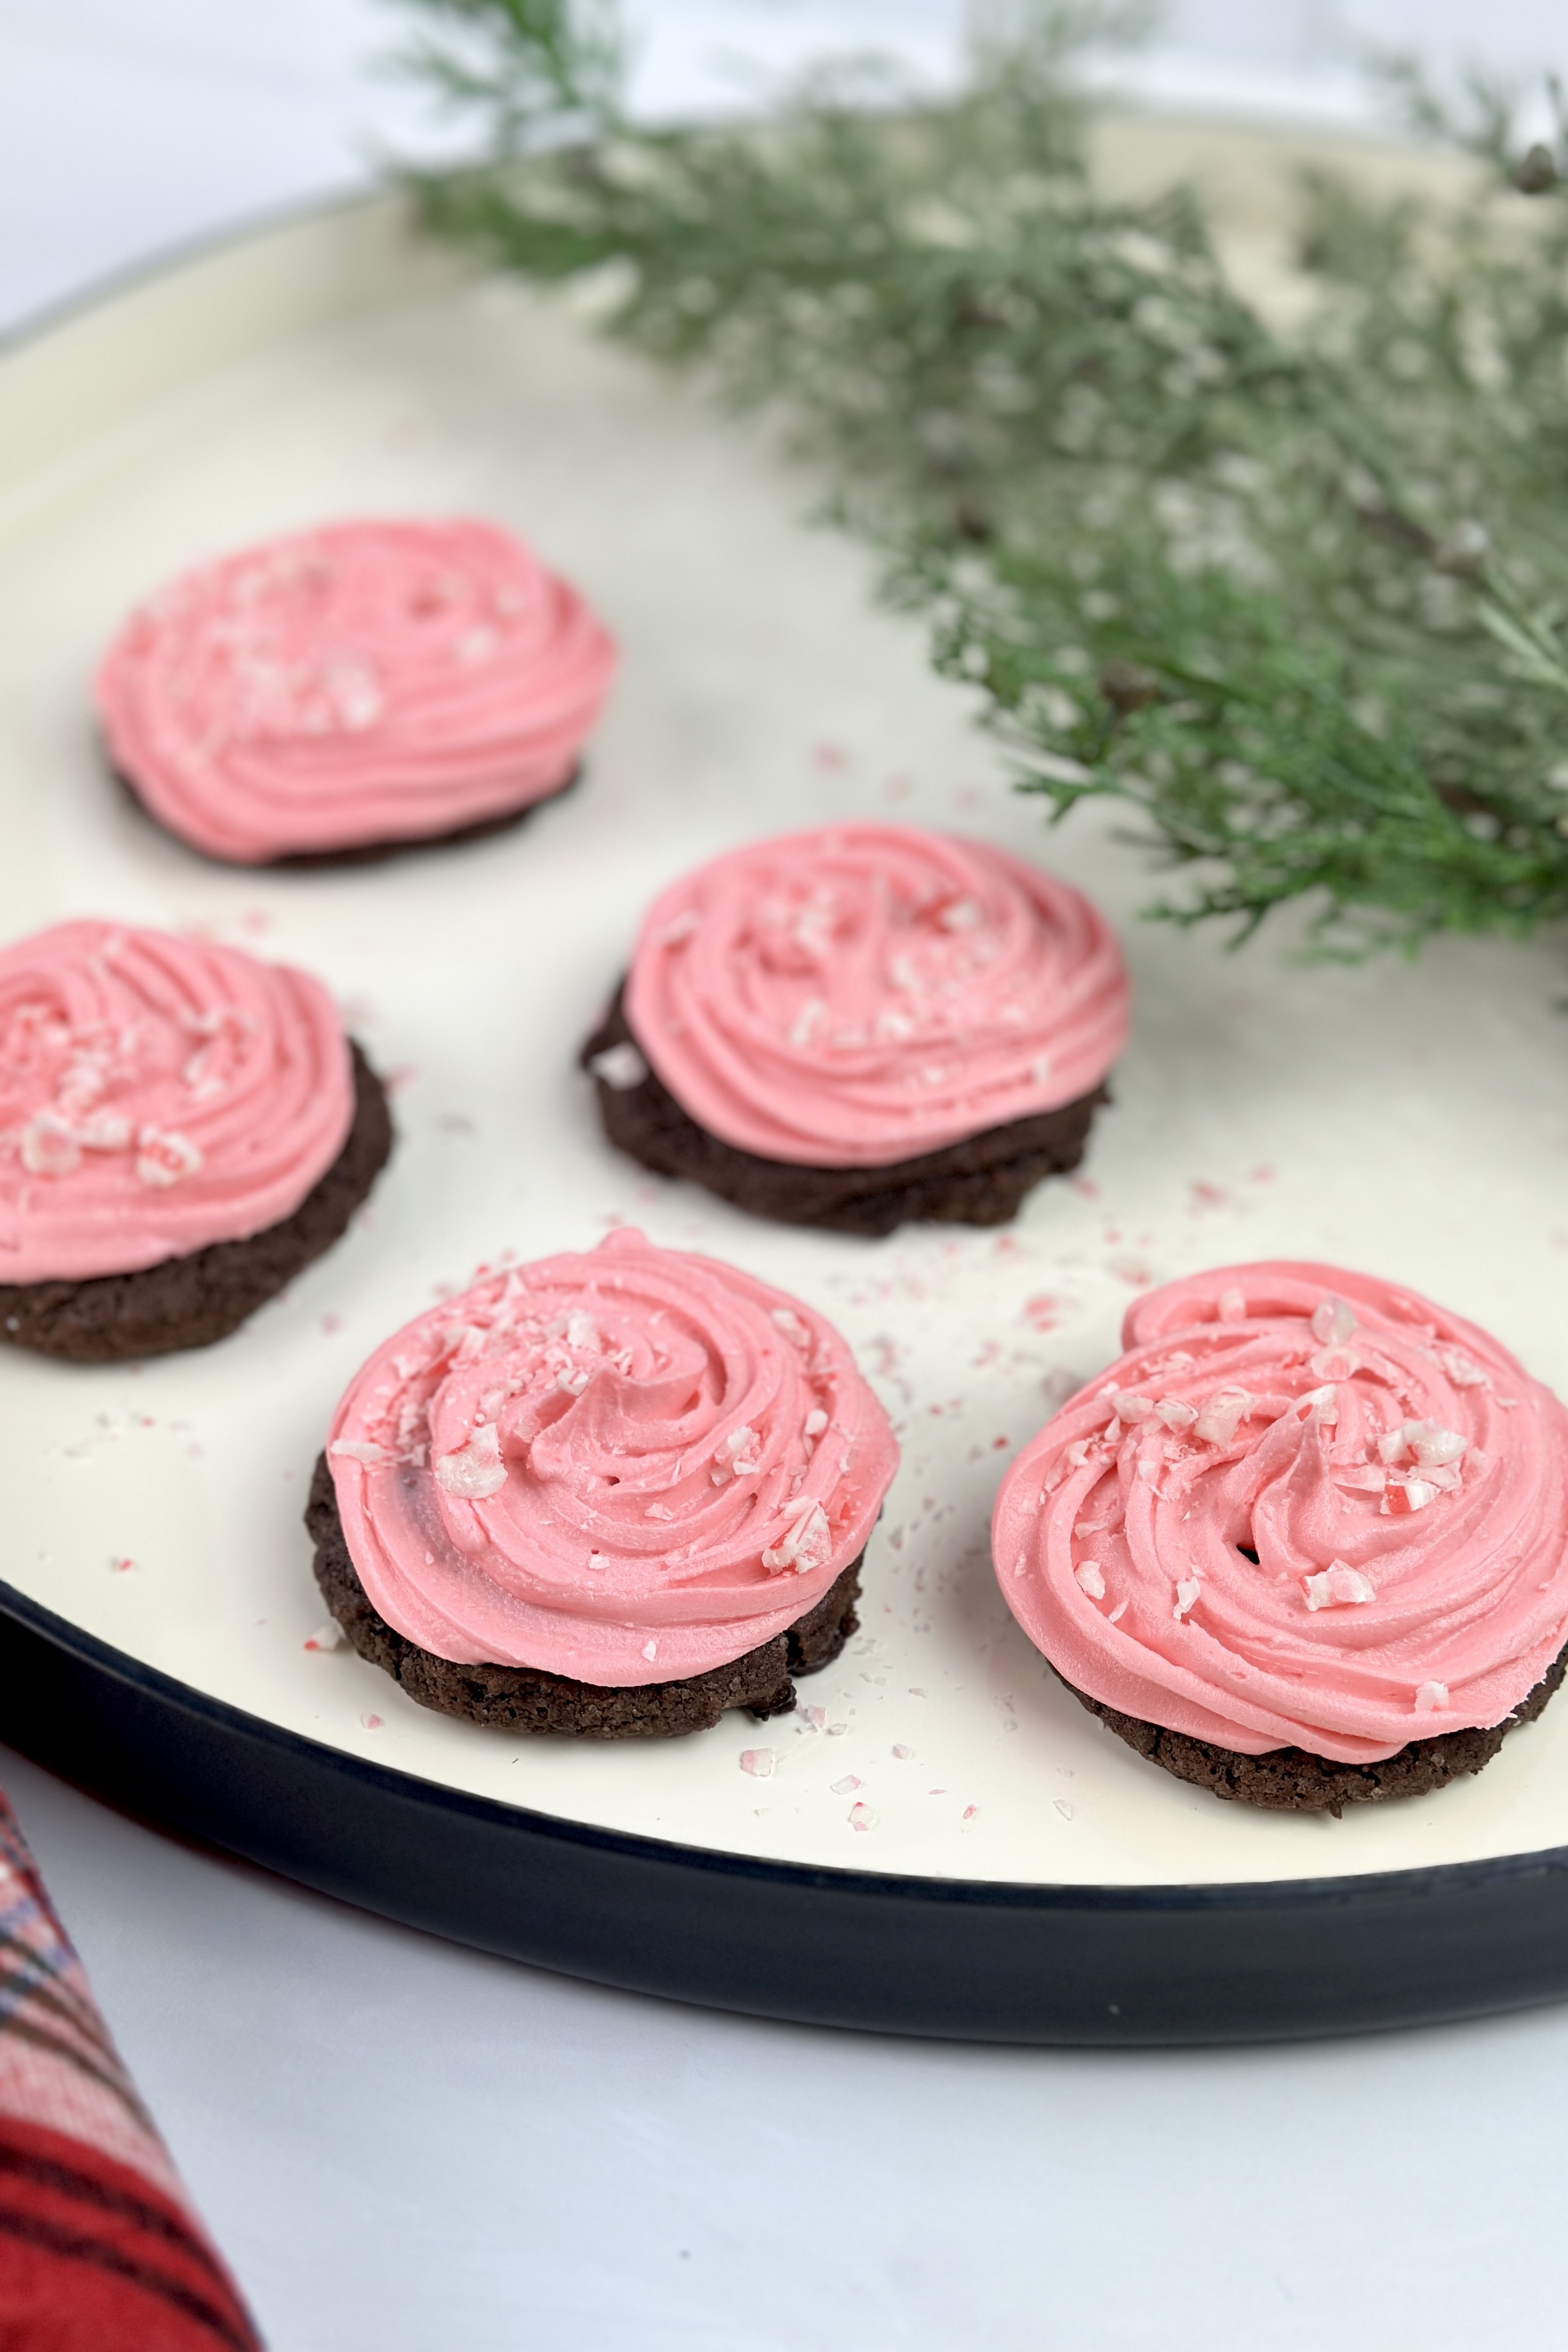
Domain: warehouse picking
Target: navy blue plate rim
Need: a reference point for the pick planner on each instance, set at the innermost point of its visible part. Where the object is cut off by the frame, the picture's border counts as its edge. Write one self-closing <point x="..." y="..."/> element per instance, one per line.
<point x="982" y="1960"/>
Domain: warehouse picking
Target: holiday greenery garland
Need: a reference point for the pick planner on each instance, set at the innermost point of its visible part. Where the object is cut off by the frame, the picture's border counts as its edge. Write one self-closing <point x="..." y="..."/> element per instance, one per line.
<point x="1301" y="597"/>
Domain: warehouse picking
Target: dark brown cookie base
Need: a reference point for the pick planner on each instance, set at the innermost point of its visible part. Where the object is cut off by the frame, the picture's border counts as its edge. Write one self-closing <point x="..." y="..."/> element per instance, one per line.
<point x="1292" y="1779"/>
<point x="525" y="1700"/>
<point x="366" y="853"/>
<point x="188" y="1302"/>
<point x="980" y="1181"/>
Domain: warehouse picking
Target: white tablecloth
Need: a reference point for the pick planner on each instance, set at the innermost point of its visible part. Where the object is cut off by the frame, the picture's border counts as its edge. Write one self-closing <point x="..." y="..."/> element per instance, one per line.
<point x="406" y="2147"/>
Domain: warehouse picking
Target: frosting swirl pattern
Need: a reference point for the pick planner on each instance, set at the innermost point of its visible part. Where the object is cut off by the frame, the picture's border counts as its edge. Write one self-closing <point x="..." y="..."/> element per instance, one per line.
<point x="863" y="993"/>
<point x="156" y="1094"/>
<point x="625" y="1466"/>
<point x="1401" y="1481"/>
<point x="365" y="682"/>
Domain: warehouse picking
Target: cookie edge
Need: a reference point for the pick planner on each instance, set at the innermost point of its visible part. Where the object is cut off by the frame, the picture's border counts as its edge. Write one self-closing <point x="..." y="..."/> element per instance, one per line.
<point x="194" y="1300"/>
<point x="531" y="1701"/>
<point x="1292" y="1780"/>
<point x="981" y="1181"/>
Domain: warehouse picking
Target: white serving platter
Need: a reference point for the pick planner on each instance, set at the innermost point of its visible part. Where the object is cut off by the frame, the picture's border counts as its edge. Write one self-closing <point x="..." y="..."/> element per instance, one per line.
<point x="1409" y="1119"/>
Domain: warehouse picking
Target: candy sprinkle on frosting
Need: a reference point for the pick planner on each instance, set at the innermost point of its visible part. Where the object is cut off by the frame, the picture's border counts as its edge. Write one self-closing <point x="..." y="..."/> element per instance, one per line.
<point x="626" y="1466"/>
<point x="365" y="682"/>
<point x="863" y="993"/>
<point x="1343" y="1506"/>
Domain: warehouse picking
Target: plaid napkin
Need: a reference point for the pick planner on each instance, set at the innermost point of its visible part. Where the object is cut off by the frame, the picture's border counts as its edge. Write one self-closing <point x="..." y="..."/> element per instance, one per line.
<point x="99" y="2251"/>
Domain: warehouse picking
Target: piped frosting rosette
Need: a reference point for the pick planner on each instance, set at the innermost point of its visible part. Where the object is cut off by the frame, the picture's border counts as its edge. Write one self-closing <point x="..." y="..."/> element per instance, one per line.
<point x="626" y="1466"/>
<point x="860" y="994"/>
<point x="156" y="1094"/>
<point x="365" y="682"/>
<point x="1402" y="1482"/>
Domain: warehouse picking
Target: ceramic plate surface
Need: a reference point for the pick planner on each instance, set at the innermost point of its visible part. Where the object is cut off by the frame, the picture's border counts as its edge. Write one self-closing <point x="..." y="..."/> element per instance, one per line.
<point x="1410" y="1120"/>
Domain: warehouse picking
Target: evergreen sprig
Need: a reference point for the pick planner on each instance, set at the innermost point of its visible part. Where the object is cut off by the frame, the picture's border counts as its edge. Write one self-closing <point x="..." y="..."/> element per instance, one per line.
<point x="525" y="73"/>
<point x="1301" y="597"/>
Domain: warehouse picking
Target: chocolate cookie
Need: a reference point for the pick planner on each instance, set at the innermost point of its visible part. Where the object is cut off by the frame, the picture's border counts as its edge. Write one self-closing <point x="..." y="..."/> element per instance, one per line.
<point x="980" y="1181"/>
<point x="523" y="1699"/>
<point x="372" y="853"/>
<point x="1292" y="1779"/>
<point x="188" y="1302"/>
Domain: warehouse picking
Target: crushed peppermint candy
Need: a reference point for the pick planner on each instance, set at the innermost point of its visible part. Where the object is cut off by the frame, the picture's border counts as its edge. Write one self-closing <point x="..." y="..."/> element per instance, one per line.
<point x="361" y="1449"/>
<point x="476" y="1470"/>
<point x="164" y="1156"/>
<point x="757" y="1761"/>
<point x="1403" y="1495"/>
<point x="1117" y="1613"/>
<point x="1231" y="1307"/>
<point x="621" y="1068"/>
<point x="108" y="1132"/>
<point x="1072" y="1458"/>
<point x="1129" y="1408"/>
<point x="1337" y="1585"/>
<point x="1333" y="1323"/>
<point x="729" y="1456"/>
<point x="48" y="1147"/>
<point x="843" y="1787"/>
<point x="1430" y="1697"/>
<point x="1425" y="1442"/>
<point x="649" y="1651"/>
<point x="1223" y="1414"/>
<point x="1187" y="1595"/>
<point x="327" y="1636"/>
<point x="806" y="1546"/>
<point x="960" y="915"/>
<point x="862" y="1817"/>
<point x="1089" y="1575"/>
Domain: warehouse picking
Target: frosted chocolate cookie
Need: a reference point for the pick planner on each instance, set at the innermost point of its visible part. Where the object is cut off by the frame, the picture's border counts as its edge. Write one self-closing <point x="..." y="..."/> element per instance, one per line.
<point x="182" y="1128"/>
<point x="610" y="1494"/>
<point x="1304" y="1544"/>
<point x="347" y="691"/>
<point x="861" y="1025"/>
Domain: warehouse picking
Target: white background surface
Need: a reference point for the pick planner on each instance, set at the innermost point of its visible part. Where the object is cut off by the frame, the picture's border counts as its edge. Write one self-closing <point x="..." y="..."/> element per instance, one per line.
<point x="127" y="124"/>
<point x="403" y="2146"/>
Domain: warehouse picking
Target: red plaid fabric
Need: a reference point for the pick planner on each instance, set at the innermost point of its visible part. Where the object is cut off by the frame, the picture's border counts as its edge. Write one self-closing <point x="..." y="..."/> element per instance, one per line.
<point x="99" y="2251"/>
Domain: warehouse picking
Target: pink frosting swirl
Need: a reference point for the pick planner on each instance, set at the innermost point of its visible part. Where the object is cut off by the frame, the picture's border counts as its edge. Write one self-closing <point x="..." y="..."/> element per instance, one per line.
<point x="863" y="993"/>
<point x="626" y="1466"/>
<point x="1402" y="1481"/>
<point x="156" y="1094"/>
<point x="365" y="682"/>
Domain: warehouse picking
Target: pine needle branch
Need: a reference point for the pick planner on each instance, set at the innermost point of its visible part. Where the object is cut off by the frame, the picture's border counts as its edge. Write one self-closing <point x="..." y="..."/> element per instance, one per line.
<point x="1300" y="599"/>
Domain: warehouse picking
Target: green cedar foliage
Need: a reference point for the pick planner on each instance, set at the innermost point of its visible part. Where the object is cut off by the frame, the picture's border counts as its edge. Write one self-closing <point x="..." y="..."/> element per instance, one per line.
<point x="1301" y="596"/>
